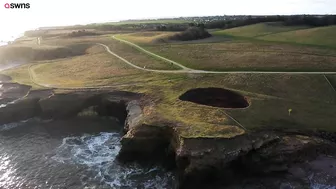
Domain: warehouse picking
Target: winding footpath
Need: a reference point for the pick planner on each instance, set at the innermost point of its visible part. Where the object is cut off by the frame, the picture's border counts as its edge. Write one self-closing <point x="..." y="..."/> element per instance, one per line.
<point x="190" y="70"/>
<point x="183" y="70"/>
<point x="32" y="79"/>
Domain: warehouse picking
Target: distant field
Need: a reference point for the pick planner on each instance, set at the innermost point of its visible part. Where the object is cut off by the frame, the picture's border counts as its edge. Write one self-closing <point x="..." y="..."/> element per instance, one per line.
<point x="258" y="30"/>
<point x="245" y="55"/>
<point x="321" y="36"/>
<point x="149" y="38"/>
<point x="168" y="21"/>
<point x="145" y="37"/>
<point x="221" y="53"/>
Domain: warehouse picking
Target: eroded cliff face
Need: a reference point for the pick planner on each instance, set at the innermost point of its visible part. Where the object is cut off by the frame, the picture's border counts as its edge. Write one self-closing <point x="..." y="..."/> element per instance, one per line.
<point x="143" y="142"/>
<point x="199" y="162"/>
<point x="47" y="105"/>
<point x="279" y="158"/>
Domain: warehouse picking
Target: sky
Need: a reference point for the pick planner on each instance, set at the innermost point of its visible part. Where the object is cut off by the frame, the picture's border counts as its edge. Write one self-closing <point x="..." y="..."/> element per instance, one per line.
<point x="68" y="12"/>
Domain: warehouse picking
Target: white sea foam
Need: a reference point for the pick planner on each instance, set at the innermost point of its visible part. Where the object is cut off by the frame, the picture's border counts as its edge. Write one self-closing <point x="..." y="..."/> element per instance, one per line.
<point x="317" y="185"/>
<point x="322" y="186"/>
<point x="9" y="126"/>
<point x="99" y="154"/>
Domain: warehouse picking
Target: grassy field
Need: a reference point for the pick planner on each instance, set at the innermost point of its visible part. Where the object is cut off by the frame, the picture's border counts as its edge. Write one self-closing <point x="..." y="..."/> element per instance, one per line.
<point x="320" y="36"/>
<point x="310" y="96"/>
<point x="258" y="30"/>
<point x="247" y="55"/>
<point x="137" y="57"/>
<point x="81" y="70"/>
<point x="332" y="80"/>
<point x="145" y="37"/>
<point x="21" y="75"/>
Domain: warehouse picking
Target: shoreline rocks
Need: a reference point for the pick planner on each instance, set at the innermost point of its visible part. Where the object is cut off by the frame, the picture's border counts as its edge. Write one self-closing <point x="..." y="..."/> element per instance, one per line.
<point x="20" y="110"/>
<point x="275" y="156"/>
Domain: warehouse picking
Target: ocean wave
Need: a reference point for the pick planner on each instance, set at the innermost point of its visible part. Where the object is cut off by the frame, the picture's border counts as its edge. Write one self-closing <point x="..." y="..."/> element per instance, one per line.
<point x="98" y="153"/>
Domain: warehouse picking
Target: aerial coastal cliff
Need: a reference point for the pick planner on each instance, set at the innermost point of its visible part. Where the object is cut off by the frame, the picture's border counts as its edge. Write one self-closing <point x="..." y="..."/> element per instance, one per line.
<point x="245" y="107"/>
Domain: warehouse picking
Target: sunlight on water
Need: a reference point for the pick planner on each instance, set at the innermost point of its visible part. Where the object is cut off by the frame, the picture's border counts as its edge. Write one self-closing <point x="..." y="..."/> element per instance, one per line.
<point x="10" y="35"/>
<point x="7" y="173"/>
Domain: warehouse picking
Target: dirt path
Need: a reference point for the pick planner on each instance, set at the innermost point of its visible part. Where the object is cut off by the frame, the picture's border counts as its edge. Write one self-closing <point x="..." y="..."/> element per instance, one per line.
<point x="330" y="84"/>
<point x="32" y="78"/>
<point x="183" y="69"/>
<point x="152" y="54"/>
<point x="190" y="70"/>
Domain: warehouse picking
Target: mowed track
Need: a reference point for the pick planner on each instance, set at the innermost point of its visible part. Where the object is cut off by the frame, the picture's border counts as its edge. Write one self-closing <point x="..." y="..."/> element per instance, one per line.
<point x="190" y="70"/>
<point x="184" y="70"/>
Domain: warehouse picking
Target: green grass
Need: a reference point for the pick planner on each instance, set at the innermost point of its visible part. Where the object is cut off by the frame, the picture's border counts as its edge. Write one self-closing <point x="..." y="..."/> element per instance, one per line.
<point x="21" y="75"/>
<point x="144" y="37"/>
<point x="312" y="99"/>
<point x="248" y="55"/>
<point x="297" y="35"/>
<point x="332" y="80"/>
<point x="321" y="36"/>
<point x="137" y="57"/>
<point x="81" y="71"/>
<point x="258" y="30"/>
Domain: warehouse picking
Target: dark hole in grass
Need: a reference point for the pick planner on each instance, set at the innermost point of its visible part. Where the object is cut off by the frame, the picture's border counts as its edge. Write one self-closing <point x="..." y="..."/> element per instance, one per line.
<point x="216" y="97"/>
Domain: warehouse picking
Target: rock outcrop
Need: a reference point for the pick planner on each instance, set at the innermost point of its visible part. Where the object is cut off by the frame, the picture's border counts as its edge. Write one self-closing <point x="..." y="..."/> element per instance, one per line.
<point x="288" y="150"/>
<point x="20" y="110"/>
<point x="60" y="106"/>
<point x="207" y="162"/>
<point x="64" y="105"/>
<point x="200" y="162"/>
<point x="13" y="90"/>
<point x="210" y="162"/>
<point x="146" y="143"/>
<point x="134" y="115"/>
<point x="142" y="142"/>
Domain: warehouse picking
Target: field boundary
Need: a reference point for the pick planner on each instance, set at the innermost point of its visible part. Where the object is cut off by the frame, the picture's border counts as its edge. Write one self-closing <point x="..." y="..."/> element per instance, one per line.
<point x="233" y="119"/>
<point x="275" y="41"/>
<point x="183" y="71"/>
<point x="190" y="70"/>
<point x="152" y="54"/>
<point x="329" y="83"/>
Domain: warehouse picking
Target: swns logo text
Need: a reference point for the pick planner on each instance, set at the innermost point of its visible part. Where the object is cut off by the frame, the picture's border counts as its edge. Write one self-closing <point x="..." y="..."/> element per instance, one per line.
<point x="17" y="5"/>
